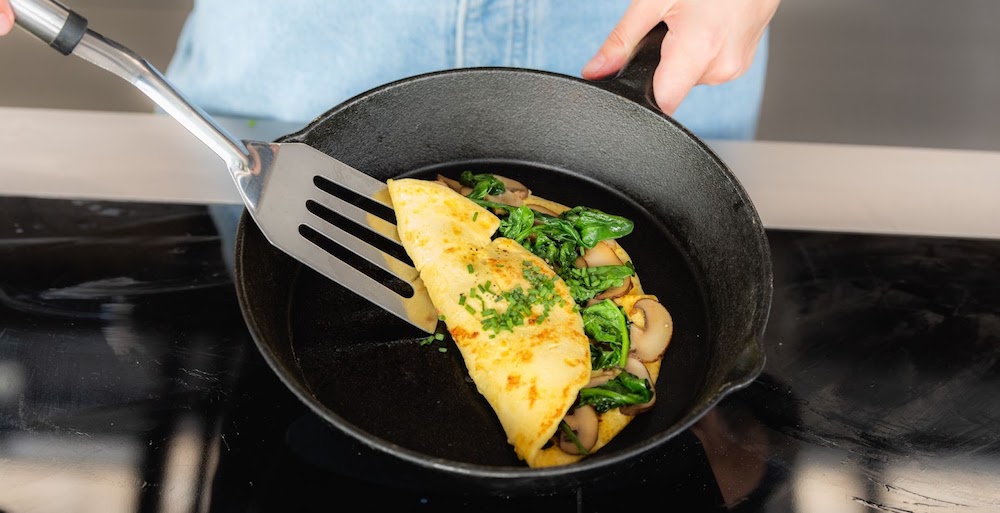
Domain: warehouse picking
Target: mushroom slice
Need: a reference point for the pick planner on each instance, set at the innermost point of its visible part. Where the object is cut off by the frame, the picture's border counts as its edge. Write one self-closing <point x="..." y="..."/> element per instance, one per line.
<point x="514" y="187"/>
<point x="507" y="198"/>
<point x="584" y="423"/>
<point x="600" y="255"/>
<point x="514" y="192"/>
<point x="542" y="210"/>
<point x="598" y="378"/>
<point x="455" y="185"/>
<point x="639" y="370"/>
<point x="650" y="341"/>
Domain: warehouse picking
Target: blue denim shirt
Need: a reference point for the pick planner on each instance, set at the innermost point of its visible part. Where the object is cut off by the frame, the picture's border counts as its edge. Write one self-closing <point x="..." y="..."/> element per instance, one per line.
<point x="296" y="59"/>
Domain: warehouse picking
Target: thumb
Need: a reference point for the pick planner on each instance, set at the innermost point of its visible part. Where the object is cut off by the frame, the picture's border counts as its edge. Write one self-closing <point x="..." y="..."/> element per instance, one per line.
<point x="6" y="17"/>
<point x="683" y="61"/>
<point x="640" y="17"/>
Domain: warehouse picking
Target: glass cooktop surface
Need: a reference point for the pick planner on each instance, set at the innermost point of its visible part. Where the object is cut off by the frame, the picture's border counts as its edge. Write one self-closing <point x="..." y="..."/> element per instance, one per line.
<point x="128" y="383"/>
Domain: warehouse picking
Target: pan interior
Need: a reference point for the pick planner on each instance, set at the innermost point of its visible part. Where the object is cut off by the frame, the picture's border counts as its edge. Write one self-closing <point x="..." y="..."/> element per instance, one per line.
<point x="369" y="369"/>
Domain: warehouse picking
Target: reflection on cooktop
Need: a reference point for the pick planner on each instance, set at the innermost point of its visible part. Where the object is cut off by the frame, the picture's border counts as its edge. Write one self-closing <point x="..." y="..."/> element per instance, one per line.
<point x="128" y="383"/>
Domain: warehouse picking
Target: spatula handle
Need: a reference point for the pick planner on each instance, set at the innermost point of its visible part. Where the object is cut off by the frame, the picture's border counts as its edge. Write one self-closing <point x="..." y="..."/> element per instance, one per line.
<point x="49" y="21"/>
<point x="67" y="32"/>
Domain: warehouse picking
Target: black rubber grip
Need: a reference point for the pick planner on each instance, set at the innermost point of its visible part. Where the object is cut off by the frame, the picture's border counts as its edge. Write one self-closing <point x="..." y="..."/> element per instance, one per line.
<point x="71" y="34"/>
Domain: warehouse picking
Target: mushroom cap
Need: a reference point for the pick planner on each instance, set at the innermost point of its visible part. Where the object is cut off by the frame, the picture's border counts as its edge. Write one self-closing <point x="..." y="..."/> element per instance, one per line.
<point x="514" y="187"/>
<point x="598" y="378"/>
<point x="600" y="255"/>
<point x="455" y="185"/>
<point x="542" y="210"/>
<point x="649" y="341"/>
<point x="585" y="423"/>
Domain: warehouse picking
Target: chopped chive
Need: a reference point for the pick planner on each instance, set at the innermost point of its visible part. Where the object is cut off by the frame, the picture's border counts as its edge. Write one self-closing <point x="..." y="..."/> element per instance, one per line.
<point x="469" y="309"/>
<point x="439" y="336"/>
<point x="520" y="302"/>
<point x="442" y="349"/>
<point x="474" y="216"/>
<point x="471" y="269"/>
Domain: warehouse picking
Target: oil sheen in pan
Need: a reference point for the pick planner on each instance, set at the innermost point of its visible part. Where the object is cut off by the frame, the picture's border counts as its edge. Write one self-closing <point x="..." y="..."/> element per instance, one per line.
<point x="369" y="368"/>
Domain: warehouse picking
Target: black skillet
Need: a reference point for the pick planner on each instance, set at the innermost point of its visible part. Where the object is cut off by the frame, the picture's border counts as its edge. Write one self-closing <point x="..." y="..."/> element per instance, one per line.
<point x="407" y="414"/>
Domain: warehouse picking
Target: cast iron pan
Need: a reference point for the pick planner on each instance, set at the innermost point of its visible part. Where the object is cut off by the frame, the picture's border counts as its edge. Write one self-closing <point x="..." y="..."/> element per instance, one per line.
<point x="408" y="415"/>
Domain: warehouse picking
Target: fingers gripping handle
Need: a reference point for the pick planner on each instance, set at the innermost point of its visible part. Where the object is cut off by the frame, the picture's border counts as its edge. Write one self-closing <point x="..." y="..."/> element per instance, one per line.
<point x="635" y="80"/>
<point x="51" y="22"/>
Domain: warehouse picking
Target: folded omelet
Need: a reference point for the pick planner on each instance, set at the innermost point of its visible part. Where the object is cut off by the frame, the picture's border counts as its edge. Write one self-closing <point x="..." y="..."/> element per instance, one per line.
<point x="515" y="321"/>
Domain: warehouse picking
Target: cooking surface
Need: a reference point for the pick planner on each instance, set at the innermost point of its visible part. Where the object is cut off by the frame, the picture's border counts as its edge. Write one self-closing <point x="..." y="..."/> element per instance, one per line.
<point x="128" y="383"/>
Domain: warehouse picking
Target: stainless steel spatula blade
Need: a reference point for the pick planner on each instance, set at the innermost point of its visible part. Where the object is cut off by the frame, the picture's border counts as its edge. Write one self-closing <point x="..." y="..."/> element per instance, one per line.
<point x="279" y="192"/>
<point x="279" y="182"/>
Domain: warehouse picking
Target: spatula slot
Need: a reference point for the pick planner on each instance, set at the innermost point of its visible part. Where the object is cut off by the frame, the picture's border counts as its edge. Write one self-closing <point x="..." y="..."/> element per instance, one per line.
<point x="362" y="265"/>
<point x="361" y="201"/>
<point x="379" y="242"/>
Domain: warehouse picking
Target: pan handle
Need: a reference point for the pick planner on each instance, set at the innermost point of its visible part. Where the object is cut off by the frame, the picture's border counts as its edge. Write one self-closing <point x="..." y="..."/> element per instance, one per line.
<point x="747" y="365"/>
<point x="635" y="80"/>
<point x="67" y="32"/>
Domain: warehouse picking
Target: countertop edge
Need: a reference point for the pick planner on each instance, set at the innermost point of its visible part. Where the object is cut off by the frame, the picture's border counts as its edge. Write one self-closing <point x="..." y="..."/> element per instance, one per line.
<point x="119" y="156"/>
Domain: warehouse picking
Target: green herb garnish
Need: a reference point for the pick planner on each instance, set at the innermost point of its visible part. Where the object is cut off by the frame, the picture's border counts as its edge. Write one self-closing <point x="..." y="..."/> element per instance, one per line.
<point x="519" y="301"/>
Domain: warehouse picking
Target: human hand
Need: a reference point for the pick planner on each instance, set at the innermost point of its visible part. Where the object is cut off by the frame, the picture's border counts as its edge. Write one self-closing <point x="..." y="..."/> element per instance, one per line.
<point x="6" y="17"/>
<point x="707" y="42"/>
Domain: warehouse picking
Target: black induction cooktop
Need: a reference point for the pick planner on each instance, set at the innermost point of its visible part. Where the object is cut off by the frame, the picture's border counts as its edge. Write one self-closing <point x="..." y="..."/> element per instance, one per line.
<point x="128" y="383"/>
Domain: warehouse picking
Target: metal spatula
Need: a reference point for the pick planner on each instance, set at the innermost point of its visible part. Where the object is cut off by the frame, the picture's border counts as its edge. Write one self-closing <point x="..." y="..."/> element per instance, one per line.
<point x="276" y="181"/>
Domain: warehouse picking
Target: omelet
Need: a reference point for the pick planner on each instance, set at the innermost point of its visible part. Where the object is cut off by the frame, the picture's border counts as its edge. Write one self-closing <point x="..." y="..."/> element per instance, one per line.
<point x="515" y="321"/>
